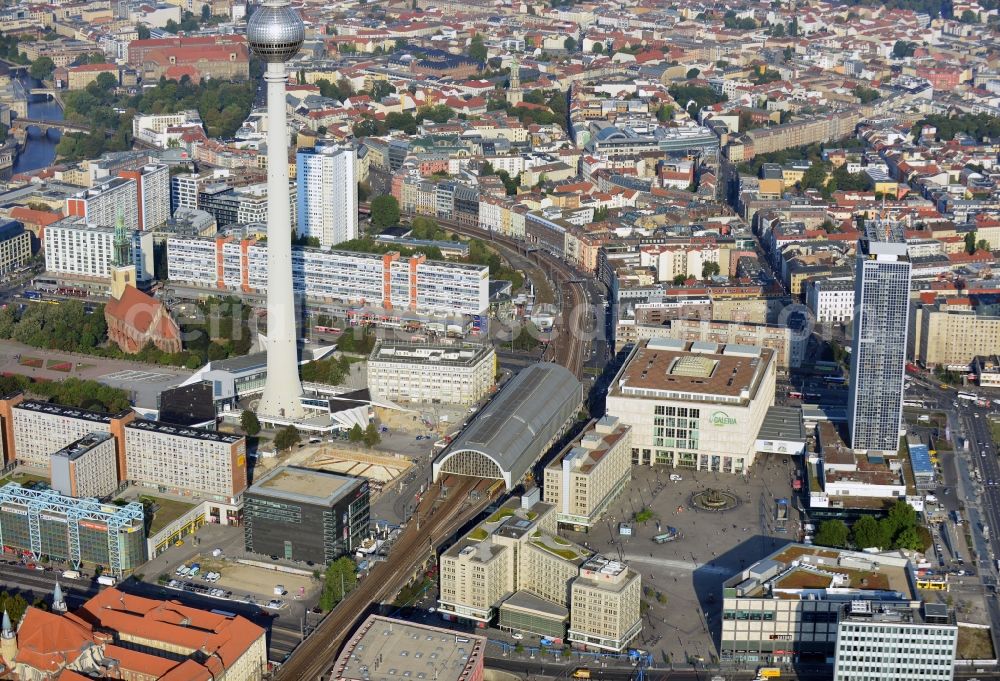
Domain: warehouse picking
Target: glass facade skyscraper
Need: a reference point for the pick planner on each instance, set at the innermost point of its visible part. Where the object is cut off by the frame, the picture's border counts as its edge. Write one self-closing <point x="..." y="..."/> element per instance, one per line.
<point x="878" y="357"/>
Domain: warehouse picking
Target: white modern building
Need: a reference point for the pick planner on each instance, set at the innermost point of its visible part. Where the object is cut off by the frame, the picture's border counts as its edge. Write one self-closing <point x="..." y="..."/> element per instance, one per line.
<point x="102" y="205"/>
<point x="76" y="248"/>
<point x="184" y="189"/>
<point x="327" y="194"/>
<point x="694" y="404"/>
<point x="831" y="300"/>
<point x="388" y="281"/>
<point x="439" y="374"/>
<point x="878" y="357"/>
<point x="895" y="642"/>
<point x="153" y="194"/>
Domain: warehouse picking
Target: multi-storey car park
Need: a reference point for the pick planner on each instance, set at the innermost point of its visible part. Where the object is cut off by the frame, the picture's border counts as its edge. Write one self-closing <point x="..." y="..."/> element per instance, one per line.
<point x="80" y="531"/>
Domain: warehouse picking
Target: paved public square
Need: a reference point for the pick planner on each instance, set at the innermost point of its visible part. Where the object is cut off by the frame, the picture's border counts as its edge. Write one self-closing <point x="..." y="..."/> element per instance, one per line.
<point x="683" y="621"/>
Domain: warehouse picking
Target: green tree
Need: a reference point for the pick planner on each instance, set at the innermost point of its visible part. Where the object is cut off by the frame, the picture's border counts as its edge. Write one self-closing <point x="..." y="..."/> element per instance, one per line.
<point x="371" y="436"/>
<point x="477" y="49"/>
<point x="356" y="434"/>
<point x="107" y="81"/>
<point x="832" y="533"/>
<point x="382" y="89"/>
<point x="693" y="73"/>
<point x="709" y="269"/>
<point x="143" y="31"/>
<point x="679" y="279"/>
<point x="902" y="49"/>
<point x="42" y="68"/>
<point x="287" y="438"/>
<point x="206" y="12"/>
<point x="814" y="178"/>
<point x="385" y="211"/>
<point x="778" y="31"/>
<point x="665" y="113"/>
<point x="970" y="242"/>
<point x="701" y="96"/>
<point x="569" y="44"/>
<point x="865" y="533"/>
<point x="249" y="422"/>
<point x="866" y="95"/>
<point x="597" y="48"/>
<point x="339" y="579"/>
<point x="969" y="17"/>
<point x="908" y="539"/>
<point x="983" y="245"/>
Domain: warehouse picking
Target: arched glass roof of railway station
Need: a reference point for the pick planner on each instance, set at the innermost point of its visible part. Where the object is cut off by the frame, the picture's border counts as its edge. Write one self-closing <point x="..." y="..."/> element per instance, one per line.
<point x="513" y="430"/>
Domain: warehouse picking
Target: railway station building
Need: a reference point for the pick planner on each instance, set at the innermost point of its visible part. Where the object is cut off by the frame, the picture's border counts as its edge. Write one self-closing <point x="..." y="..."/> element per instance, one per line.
<point x="509" y="435"/>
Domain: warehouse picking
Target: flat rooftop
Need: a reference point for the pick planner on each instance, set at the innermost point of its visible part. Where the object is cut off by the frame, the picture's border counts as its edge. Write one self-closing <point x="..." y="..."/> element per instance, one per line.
<point x="804" y="572"/>
<point x="65" y="412"/>
<point x="783" y="423"/>
<point x="305" y="485"/>
<point x="587" y="451"/>
<point x="663" y="367"/>
<point x="436" y="354"/>
<point x="386" y="649"/>
<point x="86" y="443"/>
<point x="184" y="431"/>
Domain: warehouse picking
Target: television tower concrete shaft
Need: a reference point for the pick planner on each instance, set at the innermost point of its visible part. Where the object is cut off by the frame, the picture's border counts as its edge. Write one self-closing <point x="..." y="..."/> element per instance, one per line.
<point x="275" y="33"/>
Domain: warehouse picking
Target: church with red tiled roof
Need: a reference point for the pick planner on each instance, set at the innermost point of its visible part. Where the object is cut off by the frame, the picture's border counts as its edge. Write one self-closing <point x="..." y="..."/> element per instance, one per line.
<point x="134" y="318"/>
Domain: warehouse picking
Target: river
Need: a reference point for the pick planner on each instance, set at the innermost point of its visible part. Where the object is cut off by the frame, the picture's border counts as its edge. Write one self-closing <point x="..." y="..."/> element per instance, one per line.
<point x="39" y="150"/>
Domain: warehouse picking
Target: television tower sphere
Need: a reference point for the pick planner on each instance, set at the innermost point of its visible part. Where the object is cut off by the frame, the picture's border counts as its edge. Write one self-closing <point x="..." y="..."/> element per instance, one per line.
<point x="275" y="32"/>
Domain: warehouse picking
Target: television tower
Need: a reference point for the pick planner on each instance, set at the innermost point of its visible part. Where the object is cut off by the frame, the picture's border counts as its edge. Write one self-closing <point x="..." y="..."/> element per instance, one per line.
<point x="275" y="34"/>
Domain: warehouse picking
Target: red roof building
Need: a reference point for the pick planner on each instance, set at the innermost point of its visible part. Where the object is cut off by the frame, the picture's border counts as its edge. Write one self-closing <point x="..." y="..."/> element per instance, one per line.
<point x="137" y="319"/>
<point x="142" y="638"/>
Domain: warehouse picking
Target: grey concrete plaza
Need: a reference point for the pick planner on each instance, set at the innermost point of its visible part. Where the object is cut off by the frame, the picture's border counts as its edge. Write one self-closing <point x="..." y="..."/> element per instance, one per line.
<point x="682" y="580"/>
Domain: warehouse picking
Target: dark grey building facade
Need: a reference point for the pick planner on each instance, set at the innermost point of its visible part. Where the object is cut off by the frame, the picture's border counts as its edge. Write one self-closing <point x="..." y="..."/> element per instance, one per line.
<point x="306" y="515"/>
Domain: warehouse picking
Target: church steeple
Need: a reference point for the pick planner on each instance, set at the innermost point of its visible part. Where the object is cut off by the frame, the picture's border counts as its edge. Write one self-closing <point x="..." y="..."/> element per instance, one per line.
<point x="122" y="252"/>
<point x="122" y="263"/>
<point x="8" y="641"/>
<point x="514" y="94"/>
<point x="58" y="602"/>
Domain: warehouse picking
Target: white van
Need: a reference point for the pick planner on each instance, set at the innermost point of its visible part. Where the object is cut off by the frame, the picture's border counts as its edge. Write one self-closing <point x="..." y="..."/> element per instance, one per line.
<point x="71" y="574"/>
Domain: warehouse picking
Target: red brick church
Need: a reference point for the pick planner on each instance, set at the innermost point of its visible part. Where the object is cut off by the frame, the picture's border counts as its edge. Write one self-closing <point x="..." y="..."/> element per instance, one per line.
<point x="134" y="318"/>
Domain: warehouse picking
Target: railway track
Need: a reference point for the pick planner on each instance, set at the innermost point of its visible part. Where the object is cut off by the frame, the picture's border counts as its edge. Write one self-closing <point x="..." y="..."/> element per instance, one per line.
<point x="437" y="522"/>
<point x="574" y="317"/>
<point x="572" y="324"/>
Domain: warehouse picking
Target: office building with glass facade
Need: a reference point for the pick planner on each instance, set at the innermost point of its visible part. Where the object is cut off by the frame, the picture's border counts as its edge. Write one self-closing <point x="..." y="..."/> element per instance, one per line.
<point x="80" y="531"/>
<point x="306" y="515"/>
